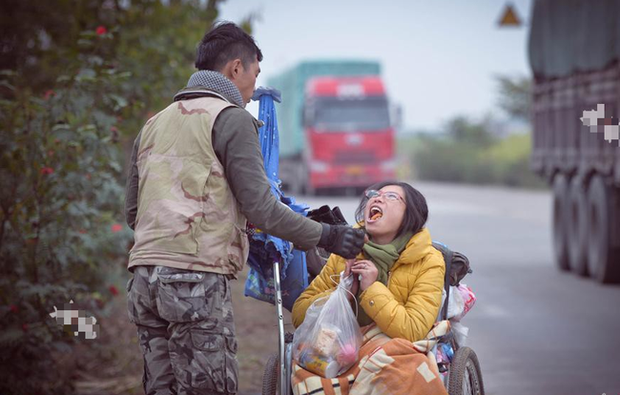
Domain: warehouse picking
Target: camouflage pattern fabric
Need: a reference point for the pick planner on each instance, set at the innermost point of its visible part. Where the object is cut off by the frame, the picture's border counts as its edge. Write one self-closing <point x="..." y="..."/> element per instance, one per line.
<point x="187" y="216"/>
<point x="185" y="330"/>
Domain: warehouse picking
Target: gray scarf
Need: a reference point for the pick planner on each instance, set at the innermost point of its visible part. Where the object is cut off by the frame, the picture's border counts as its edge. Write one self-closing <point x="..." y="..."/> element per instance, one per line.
<point x="216" y="82"/>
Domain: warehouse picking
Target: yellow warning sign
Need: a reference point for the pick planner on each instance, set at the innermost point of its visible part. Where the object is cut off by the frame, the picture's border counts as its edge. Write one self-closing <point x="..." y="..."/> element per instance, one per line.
<point x="510" y="17"/>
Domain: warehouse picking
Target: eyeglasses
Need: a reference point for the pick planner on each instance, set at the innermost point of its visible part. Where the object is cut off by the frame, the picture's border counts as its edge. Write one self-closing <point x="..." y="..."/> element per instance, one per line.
<point x="391" y="196"/>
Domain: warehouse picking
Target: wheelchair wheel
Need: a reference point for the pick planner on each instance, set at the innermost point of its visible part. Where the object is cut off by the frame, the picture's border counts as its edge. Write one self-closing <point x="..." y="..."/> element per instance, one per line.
<point x="270" y="375"/>
<point x="465" y="376"/>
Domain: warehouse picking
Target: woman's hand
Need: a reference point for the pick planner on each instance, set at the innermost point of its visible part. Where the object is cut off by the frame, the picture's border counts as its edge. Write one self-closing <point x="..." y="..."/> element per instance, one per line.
<point x="356" y="283"/>
<point x="368" y="272"/>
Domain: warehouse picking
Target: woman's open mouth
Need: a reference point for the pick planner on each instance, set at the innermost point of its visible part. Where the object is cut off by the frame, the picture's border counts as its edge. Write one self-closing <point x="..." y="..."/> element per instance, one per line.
<point x="375" y="214"/>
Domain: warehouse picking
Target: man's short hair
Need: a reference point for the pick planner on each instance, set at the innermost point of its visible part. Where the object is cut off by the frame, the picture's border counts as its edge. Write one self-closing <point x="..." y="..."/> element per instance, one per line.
<point x="226" y="42"/>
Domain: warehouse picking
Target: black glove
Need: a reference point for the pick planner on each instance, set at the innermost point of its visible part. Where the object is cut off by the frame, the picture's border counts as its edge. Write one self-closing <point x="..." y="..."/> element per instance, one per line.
<point x="342" y="240"/>
<point x="326" y="215"/>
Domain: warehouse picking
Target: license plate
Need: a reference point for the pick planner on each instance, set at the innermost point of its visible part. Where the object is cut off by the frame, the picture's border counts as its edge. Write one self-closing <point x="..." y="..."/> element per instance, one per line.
<point x="354" y="170"/>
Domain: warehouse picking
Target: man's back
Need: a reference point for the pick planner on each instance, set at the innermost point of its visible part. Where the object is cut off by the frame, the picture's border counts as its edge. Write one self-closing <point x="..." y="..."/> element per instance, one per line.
<point x="187" y="217"/>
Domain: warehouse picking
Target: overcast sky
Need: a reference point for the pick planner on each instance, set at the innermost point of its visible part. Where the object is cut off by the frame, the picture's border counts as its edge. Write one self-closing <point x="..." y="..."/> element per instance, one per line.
<point x="439" y="57"/>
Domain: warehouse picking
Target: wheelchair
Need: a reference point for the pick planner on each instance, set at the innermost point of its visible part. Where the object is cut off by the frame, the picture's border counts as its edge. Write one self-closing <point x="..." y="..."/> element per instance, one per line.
<point x="461" y="375"/>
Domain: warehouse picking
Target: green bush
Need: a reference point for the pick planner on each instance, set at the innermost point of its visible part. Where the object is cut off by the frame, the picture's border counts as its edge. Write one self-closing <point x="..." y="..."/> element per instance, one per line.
<point x="61" y="210"/>
<point x="71" y="103"/>
<point x="510" y="158"/>
<point x="502" y="162"/>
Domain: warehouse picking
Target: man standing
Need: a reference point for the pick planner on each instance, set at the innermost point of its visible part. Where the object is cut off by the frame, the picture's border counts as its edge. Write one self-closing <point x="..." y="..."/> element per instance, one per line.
<point x="196" y="176"/>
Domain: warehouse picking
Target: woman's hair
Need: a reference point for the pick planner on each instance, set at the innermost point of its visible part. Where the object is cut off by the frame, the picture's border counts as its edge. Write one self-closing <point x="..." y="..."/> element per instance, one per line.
<point x="416" y="212"/>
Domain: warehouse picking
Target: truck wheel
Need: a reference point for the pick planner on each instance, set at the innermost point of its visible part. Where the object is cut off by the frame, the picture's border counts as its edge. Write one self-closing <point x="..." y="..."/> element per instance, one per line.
<point x="560" y="223"/>
<point x="296" y="183"/>
<point x="577" y="227"/>
<point x="603" y="256"/>
<point x="307" y="189"/>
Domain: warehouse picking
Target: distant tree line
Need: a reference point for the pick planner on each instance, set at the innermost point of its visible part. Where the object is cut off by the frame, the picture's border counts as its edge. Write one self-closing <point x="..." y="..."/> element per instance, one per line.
<point x="474" y="151"/>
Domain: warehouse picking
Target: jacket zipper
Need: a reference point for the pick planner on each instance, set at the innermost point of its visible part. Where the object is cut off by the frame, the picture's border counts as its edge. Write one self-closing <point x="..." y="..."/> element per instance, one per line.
<point x="388" y="280"/>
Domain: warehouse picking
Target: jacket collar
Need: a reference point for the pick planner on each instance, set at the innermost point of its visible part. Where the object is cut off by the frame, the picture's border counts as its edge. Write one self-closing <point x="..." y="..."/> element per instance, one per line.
<point x="207" y="82"/>
<point x="417" y="247"/>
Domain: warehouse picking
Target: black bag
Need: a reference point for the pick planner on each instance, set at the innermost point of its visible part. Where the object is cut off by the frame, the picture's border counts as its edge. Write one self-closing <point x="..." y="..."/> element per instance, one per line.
<point x="457" y="264"/>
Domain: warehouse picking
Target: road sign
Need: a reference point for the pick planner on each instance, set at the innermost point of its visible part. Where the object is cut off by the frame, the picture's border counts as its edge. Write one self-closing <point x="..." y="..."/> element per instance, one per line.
<point x="509" y="17"/>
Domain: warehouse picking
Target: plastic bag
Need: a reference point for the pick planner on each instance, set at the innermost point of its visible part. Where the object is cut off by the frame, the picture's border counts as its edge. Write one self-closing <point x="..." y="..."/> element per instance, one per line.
<point x="460" y="333"/>
<point x="461" y="300"/>
<point x="327" y="343"/>
<point x="260" y="284"/>
<point x="455" y="303"/>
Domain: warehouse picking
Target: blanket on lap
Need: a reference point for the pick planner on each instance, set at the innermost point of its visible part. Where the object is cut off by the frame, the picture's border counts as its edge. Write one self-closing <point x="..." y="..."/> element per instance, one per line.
<point x="386" y="366"/>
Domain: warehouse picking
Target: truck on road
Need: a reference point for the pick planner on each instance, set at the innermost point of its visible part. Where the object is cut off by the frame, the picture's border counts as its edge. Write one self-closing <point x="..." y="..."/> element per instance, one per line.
<point x="336" y="129"/>
<point x="574" y="54"/>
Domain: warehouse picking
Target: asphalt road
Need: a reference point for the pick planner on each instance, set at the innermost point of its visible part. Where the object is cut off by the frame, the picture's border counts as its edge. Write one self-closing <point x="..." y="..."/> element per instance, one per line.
<point x="535" y="330"/>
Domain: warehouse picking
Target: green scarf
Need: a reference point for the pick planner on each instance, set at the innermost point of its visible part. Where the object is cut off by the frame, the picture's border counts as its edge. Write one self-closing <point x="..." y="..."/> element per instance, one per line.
<point x="383" y="256"/>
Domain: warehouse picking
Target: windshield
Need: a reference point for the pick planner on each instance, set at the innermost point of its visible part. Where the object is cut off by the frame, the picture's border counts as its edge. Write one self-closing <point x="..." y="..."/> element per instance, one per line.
<point x="365" y="114"/>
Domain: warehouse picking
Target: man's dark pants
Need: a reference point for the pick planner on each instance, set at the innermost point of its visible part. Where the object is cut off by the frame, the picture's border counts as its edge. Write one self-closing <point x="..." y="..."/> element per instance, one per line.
<point x="185" y="330"/>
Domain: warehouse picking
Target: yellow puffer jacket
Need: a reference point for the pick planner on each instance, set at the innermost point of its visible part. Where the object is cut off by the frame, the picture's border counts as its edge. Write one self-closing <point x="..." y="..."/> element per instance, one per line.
<point x="408" y="306"/>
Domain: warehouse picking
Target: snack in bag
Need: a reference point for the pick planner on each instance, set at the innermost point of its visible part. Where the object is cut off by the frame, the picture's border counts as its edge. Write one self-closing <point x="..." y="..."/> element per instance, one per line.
<point x="327" y="343"/>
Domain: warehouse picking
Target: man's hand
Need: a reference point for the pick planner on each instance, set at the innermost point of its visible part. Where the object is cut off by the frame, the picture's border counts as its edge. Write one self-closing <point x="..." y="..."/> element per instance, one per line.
<point x="368" y="272"/>
<point x="342" y="240"/>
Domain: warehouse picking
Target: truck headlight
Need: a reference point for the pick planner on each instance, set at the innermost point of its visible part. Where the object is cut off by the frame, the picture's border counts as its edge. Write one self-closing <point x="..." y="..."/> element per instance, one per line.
<point x="318" y="166"/>
<point x="388" y="165"/>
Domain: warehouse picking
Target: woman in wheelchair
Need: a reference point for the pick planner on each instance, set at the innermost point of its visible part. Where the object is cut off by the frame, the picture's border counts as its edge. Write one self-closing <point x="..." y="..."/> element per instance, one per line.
<point x="398" y="282"/>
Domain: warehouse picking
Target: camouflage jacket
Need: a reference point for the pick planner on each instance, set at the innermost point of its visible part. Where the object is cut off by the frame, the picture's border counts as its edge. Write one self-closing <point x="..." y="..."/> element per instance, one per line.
<point x="187" y="215"/>
<point x="234" y="141"/>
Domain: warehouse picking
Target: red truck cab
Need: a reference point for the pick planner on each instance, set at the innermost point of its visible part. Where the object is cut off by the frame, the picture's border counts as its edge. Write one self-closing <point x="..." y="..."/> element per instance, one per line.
<point x="349" y="136"/>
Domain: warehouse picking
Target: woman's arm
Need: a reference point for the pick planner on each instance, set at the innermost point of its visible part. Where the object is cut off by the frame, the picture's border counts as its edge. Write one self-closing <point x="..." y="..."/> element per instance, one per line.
<point x="320" y="286"/>
<point x="414" y="319"/>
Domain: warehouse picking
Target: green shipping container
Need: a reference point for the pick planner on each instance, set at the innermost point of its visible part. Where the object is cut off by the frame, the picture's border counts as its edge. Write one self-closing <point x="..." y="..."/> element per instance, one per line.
<point x="292" y="84"/>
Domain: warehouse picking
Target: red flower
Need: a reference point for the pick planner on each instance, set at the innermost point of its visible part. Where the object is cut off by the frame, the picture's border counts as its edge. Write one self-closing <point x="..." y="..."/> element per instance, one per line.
<point x="87" y="175"/>
<point x="25" y="327"/>
<point x="46" y="170"/>
<point x="14" y="309"/>
<point x="82" y="231"/>
<point x="113" y="290"/>
<point x="117" y="228"/>
<point x="48" y="93"/>
<point x="101" y="30"/>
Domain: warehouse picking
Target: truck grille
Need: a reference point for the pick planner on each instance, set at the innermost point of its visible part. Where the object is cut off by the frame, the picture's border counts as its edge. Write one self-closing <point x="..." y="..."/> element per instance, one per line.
<point x="355" y="157"/>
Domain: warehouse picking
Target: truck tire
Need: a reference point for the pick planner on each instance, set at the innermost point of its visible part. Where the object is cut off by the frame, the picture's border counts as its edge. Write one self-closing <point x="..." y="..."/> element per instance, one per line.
<point x="577" y="227"/>
<point x="296" y="183"/>
<point x="308" y="189"/>
<point x="304" y="174"/>
<point x="603" y="255"/>
<point x="560" y="223"/>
